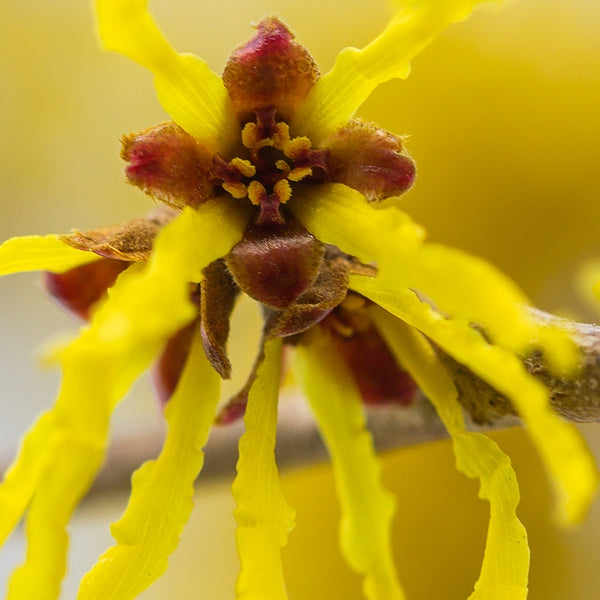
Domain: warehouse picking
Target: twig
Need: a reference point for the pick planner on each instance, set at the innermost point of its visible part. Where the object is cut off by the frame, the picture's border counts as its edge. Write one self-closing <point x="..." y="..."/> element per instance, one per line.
<point x="299" y="444"/>
<point x="576" y="398"/>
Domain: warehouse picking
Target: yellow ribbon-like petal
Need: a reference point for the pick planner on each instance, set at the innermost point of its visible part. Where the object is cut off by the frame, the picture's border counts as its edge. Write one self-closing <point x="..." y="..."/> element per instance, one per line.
<point x="505" y="566"/>
<point x="21" y="479"/>
<point x="337" y="96"/>
<point x="367" y="507"/>
<point x="40" y="253"/>
<point x="162" y="491"/>
<point x="264" y="517"/>
<point x="560" y="445"/>
<point x="143" y="309"/>
<point x="187" y="88"/>
<point x="461" y="285"/>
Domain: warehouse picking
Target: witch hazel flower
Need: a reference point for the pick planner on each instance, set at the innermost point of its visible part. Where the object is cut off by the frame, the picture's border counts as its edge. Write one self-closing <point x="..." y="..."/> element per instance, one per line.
<point x="268" y="184"/>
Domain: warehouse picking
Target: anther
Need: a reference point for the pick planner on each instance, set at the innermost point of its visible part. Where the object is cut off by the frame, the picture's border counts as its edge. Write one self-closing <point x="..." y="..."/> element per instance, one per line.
<point x="283" y="190"/>
<point x="282" y="166"/>
<point x="295" y="147"/>
<point x="245" y="167"/>
<point x="256" y="192"/>
<point x="299" y="174"/>
<point x="281" y="136"/>
<point x="250" y="135"/>
<point x="238" y="190"/>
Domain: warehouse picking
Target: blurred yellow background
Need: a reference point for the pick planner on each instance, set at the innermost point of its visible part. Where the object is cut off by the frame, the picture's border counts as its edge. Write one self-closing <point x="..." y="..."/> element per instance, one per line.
<point x="502" y="113"/>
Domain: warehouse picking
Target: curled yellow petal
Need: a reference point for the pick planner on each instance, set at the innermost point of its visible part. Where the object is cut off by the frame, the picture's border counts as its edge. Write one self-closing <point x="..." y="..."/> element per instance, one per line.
<point x="560" y="445"/>
<point x="187" y="88"/>
<point x="264" y="517"/>
<point x="162" y="491"/>
<point x="468" y="287"/>
<point x="337" y="96"/>
<point x="143" y="309"/>
<point x="339" y="215"/>
<point x="40" y="253"/>
<point x="21" y="478"/>
<point x="505" y="568"/>
<point x="367" y="507"/>
<point x="459" y="284"/>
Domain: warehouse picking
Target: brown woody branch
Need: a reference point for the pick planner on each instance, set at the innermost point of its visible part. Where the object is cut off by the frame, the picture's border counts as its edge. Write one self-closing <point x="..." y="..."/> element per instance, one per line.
<point x="576" y="399"/>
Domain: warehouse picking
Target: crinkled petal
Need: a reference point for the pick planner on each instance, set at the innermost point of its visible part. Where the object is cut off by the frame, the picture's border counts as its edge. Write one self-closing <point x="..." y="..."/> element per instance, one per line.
<point x="367" y="507"/>
<point x="337" y="96"/>
<point x="337" y="214"/>
<point x="193" y="95"/>
<point x="461" y="285"/>
<point x="504" y="572"/>
<point x="144" y="308"/>
<point x="40" y="253"/>
<point x="264" y="517"/>
<point x="162" y="491"/>
<point x="560" y="445"/>
<point x="21" y="478"/>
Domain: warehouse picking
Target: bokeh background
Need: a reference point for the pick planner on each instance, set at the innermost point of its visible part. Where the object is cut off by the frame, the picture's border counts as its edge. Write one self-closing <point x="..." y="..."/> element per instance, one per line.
<point x="502" y="113"/>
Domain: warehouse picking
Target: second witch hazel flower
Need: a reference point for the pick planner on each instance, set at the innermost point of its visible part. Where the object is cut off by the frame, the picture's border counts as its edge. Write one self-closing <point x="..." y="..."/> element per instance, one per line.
<point x="267" y="184"/>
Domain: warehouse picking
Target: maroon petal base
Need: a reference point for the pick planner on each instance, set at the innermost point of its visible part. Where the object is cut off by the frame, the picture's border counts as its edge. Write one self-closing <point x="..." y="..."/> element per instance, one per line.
<point x="375" y="370"/>
<point x="168" y="369"/>
<point x="78" y="289"/>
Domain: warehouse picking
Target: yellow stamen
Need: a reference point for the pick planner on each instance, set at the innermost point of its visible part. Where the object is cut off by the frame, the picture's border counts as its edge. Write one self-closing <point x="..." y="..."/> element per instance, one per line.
<point x="250" y="135"/>
<point x="264" y="143"/>
<point x="245" y="167"/>
<point x="281" y="137"/>
<point x="256" y="191"/>
<point x="238" y="190"/>
<point x="294" y="147"/>
<point x="300" y="173"/>
<point x="283" y="167"/>
<point x="283" y="189"/>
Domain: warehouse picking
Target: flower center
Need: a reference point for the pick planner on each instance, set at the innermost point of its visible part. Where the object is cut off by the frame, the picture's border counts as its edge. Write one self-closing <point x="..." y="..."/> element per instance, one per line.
<point x="272" y="163"/>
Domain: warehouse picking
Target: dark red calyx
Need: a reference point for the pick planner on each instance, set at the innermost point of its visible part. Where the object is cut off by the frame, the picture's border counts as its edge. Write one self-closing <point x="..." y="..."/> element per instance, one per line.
<point x="370" y="160"/>
<point x="78" y="289"/>
<point x="233" y="411"/>
<point x="169" y="367"/>
<point x="275" y="264"/>
<point x="269" y="70"/>
<point x="169" y="165"/>
<point x="378" y="376"/>
<point x="315" y="303"/>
